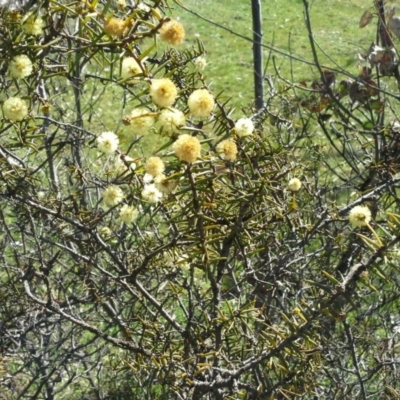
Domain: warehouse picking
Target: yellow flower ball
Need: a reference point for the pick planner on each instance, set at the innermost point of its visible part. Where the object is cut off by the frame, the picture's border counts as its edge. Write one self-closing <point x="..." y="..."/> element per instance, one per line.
<point x="170" y="121"/>
<point x="187" y="148"/>
<point x="140" y="121"/>
<point x="112" y="195"/>
<point x="227" y="149"/>
<point x="163" y="92"/>
<point x="129" y="68"/>
<point x="128" y="214"/>
<point x="20" y="67"/>
<point x="151" y="194"/>
<point x="15" y="109"/>
<point x="172" y="32"/>
<point x="107" y="142"/>
<point x="33" y="25"/>
<point x="154" y="166"/>
<point x="360" y="216"/>
<point x="201" y="103"/>
<point x="294" y="185"/>
<point x="115" y="27"/>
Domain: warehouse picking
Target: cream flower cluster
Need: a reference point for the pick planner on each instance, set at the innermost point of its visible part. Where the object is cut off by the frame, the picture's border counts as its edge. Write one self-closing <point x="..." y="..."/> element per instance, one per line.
<point x="151" y="194"/>
<point x="112" y="196"/>
<point x="33" y="25"/>
<point x="187" y="148"/>
<point x="115" y="27"/>
<point x="20" y="67"/>
<point x="201" y="103"/>
<point x="172" y="32"/>
<point x="163" y="92"/>
<point x="140" y="120"/>
<point x="155" y="166"/>
<point x="244" y="127"/>
<point x="360" y="216"/>
<point x="107" y="142"/>
<point x="121" y="4"/>
<point x="294" y="185"/>
<point x="15" y="109"/>
<point x="227" y="149"/>
<point x="130" y="68"/>
<point x="165" y="185"/>
<point x="128" y="214"/>
<point x="170" y="121"/>
<point x="200" y="63"/>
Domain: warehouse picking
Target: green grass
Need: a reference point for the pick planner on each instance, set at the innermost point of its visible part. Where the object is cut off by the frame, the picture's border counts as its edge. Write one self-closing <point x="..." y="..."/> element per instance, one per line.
<point x="336" y="32"/>
<point x="229" y="57"/>
<point x="335" y="27"/>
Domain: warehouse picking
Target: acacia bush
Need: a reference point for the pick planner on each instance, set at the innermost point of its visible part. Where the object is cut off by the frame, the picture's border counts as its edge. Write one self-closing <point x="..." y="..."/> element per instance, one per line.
<point x="154" y="248"/>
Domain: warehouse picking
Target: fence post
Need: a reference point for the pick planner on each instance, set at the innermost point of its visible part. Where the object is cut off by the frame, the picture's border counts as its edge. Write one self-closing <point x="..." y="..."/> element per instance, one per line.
<point x="257" y="54"/>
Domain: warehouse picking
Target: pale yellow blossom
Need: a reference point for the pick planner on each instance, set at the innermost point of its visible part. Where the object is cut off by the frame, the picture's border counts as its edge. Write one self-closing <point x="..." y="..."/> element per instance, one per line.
<point x="15" y="109"/>
<point x="128" y="214"/>
<point x="33" y="25"/>
<point x="112" y="195"/>
<point x="170" y="120"/>
<point x="151" y="194"/>
<point x="294" y="185"/>
<point x="130" y="68"/>
<point x="154" y="166"/>
<point x="359" y="216"/>
<point x="244" y="127"/>
<point x="115" y="27"/>
<point x="140" y="120"/>
<point x="163" y="92"/>
<point x="20" y="67"/>
<point x="107" y="142"/>
<point x="187" y="148"/>
<point x="172" y="32"/>
<point x="201" y="103"/>
<point x="227" y="149"/>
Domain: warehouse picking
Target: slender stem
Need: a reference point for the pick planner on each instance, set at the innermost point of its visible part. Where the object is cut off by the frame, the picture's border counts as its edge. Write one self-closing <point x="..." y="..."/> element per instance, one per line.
<point x="350" y="339"/>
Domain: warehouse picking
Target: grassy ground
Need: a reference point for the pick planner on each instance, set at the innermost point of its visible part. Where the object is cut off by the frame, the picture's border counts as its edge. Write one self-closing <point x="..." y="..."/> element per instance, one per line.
<point x="335" y="26"/>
